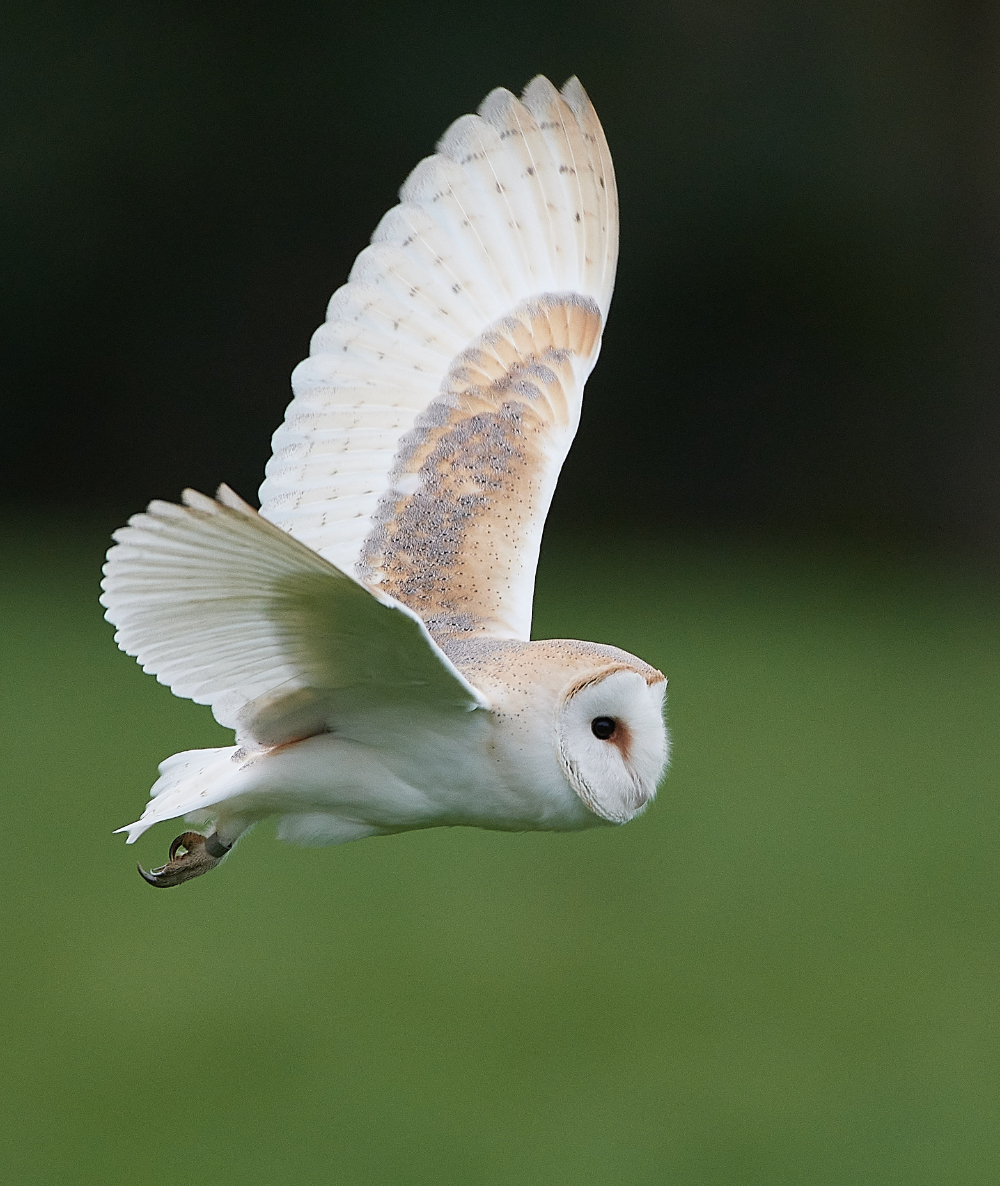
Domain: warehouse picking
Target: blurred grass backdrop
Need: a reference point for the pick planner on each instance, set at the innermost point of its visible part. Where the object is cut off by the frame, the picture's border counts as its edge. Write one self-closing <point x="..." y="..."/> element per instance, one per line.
<point x="786" y="972"/>
<point x="783" y="493"/>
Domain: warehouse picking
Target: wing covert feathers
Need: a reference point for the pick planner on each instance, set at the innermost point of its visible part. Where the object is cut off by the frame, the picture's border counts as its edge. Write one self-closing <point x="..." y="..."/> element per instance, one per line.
<point x="443" y="391"/>
<point x="228" y="610"/>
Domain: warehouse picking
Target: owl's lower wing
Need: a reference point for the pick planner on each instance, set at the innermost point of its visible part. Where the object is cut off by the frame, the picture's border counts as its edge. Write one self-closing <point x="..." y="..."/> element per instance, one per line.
<point x="442" y="394"/>
<point x="228" y="610"/>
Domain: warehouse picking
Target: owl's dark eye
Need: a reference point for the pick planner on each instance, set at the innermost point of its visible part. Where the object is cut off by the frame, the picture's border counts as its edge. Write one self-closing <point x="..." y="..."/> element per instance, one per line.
<point x="603" y="727"/>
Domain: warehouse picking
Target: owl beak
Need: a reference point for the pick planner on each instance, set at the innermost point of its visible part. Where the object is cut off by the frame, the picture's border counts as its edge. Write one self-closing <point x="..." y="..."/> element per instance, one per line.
<point x="191" y="855"/>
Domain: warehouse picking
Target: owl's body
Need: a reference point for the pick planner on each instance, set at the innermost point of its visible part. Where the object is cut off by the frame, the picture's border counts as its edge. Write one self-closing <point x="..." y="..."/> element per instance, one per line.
<point x="367" y="633"/>
<point x="386" y="771"/>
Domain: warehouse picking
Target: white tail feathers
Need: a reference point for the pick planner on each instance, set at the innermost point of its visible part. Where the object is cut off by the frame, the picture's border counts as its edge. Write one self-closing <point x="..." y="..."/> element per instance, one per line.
<point x="194" y="780"/>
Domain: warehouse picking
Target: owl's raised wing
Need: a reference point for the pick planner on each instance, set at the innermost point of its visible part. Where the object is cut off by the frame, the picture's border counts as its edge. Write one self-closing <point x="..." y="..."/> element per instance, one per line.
<point x="227" y="610"/>
<point x="441" y="396"/>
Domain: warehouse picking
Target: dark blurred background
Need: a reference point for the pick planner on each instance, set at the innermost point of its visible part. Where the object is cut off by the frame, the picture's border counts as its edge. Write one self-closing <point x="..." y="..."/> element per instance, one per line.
<point x="804" y="332"/>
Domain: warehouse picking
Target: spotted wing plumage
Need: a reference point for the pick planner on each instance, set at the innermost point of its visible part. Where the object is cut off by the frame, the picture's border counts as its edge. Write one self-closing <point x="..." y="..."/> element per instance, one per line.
<point x="443" y="392"/>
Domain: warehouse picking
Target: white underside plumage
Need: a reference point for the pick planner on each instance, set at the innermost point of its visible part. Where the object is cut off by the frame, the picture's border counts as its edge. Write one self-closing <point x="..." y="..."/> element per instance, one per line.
<point x="381" y="772"/>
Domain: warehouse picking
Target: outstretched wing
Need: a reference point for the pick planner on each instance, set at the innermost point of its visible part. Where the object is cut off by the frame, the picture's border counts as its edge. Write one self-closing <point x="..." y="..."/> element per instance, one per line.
<point x="228" y="610"/>
<point x="442" y="394"/>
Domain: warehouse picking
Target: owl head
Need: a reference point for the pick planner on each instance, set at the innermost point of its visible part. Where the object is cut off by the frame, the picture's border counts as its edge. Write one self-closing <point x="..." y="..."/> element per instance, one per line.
<point x="611" y="740"/>
<point x="576" y="713"/>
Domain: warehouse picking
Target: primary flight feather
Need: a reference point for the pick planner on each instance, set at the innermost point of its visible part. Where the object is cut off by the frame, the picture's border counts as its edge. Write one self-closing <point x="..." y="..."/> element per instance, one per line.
<point x="366" y="634"/>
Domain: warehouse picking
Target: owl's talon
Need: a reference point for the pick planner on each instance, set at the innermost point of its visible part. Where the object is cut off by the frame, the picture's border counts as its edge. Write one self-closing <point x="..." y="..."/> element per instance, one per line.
<point x="201" y="853"/>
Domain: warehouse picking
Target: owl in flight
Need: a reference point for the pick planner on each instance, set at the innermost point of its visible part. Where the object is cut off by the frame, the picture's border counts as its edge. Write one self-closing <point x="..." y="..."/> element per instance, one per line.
<point x="367" y="632"/>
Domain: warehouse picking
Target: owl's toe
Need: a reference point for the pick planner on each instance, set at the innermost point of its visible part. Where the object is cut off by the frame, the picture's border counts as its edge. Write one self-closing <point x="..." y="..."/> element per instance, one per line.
<point x="191" y="855"/>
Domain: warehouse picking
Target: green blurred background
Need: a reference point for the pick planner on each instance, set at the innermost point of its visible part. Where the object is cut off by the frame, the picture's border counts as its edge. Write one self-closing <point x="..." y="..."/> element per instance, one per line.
<point x="784" y="495"/>
<point x="785" y="972"/>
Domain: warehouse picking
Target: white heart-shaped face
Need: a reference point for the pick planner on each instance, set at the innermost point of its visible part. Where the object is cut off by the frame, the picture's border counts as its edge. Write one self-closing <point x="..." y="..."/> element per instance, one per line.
<point x="612" y="742"/>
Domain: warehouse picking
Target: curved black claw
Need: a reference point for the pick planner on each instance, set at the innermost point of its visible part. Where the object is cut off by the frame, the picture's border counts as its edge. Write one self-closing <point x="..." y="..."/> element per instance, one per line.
<point x="198" y="854"/>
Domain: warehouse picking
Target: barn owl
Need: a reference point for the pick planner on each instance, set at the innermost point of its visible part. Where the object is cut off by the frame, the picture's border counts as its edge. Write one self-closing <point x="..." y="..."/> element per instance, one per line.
<point x="366" y="634"/>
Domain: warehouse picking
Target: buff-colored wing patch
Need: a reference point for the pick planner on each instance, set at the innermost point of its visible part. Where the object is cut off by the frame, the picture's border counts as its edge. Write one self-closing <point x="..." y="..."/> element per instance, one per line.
<point x="456" y="536"/>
